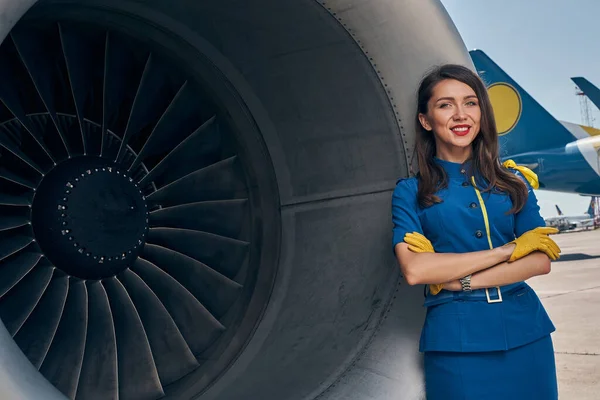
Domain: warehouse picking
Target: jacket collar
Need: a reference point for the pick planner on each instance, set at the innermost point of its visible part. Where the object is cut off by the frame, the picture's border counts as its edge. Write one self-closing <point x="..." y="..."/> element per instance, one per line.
<point x="456" y="170"/>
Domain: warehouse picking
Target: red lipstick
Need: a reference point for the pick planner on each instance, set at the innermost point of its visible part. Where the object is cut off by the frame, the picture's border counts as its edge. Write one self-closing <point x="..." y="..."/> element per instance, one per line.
<point x="461" y="130"/>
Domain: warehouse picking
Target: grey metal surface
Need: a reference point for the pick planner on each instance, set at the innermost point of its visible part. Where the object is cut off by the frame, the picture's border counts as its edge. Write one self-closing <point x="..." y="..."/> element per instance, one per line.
<point x="331" y="87"/>
<point x="10" y="12"/>
<point x="19" y="379"/>
<point x="336" y="274"/>
<point x="402" y="40"/>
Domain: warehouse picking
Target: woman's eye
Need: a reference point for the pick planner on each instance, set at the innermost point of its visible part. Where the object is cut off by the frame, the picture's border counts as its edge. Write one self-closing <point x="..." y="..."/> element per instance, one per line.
<point x="444" y="105"/>
<point x="472" y="103"/>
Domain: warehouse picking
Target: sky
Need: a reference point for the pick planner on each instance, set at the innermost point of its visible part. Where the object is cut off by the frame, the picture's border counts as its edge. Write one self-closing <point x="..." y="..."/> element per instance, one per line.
<point x="541" y="45"/>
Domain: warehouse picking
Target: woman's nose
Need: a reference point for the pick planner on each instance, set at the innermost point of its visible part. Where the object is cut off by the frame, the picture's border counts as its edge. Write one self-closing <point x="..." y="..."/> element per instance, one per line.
<point x="460" y="114"/>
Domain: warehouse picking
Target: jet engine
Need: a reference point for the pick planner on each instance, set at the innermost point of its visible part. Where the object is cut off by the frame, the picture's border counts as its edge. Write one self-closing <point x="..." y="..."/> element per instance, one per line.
<point x="195" y="197"/>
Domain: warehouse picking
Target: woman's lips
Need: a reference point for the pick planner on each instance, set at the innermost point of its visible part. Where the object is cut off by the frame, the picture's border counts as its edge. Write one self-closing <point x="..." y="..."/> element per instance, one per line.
<point x="461" y="130"/>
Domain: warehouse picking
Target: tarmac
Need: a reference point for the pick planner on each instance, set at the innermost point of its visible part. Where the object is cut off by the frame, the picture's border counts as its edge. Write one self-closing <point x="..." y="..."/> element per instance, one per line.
<point x="571" y="296"/>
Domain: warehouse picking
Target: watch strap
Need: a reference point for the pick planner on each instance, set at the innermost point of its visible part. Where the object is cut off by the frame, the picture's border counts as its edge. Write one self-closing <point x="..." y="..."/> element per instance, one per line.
<point x="466" y="283"/>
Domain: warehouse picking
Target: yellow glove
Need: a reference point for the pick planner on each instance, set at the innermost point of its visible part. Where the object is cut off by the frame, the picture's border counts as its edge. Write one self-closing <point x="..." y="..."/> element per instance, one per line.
<point x="418" y="243"/>
<point x="535" y="240"/>
<point x="531" y="176"/>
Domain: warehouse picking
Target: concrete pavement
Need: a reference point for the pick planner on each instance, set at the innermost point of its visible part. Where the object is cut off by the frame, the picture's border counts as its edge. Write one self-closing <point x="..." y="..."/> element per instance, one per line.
<point x="571" y="295"/>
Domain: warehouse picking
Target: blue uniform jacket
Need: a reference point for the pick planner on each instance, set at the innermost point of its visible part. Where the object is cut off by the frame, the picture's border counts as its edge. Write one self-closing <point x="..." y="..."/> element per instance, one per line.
<point x="461" y="321"/>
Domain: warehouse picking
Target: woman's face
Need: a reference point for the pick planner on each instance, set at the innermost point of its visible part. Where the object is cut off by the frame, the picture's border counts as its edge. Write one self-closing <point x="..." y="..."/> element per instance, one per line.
<point x="454" y="116"/>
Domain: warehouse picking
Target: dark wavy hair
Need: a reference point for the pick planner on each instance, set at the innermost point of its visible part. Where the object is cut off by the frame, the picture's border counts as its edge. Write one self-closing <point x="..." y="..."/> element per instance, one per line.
<point x="485" y="164"/>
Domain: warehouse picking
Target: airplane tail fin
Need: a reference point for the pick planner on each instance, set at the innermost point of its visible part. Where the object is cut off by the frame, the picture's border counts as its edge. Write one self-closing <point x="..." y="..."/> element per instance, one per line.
<point x="523" y="124"/>
<point x="558" y="209"/>
<point x="592" y="208"/>
<point x="588" y="88"/>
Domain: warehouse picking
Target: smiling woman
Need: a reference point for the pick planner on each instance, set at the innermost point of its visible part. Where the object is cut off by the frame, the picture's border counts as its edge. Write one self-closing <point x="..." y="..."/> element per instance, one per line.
<point x="470" y="230"/>
<point x="454" y="115"/>
<point x="452" y="97"/>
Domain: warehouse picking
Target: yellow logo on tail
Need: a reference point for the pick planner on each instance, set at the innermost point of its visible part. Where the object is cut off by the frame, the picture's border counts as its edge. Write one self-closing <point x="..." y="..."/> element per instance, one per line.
<point x="507" y="106"/>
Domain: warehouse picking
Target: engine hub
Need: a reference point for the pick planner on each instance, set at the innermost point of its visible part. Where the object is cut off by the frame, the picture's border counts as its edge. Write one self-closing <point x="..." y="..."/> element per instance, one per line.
<point x="89" y="217"/>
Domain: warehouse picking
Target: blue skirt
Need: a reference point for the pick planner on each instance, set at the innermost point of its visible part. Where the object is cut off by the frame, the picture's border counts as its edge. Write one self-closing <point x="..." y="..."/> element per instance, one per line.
<point x="524" y="373"/>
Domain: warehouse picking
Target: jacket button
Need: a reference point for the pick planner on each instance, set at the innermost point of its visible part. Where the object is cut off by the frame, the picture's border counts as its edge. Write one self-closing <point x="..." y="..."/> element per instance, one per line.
<point x="466" y="184"/>
<point x="478" y="234"/>
<point x="473" y="205"/>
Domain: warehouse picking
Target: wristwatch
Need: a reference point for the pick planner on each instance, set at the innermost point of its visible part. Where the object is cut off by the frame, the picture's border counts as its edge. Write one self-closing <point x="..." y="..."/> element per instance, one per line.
<point x="466" y="283"/>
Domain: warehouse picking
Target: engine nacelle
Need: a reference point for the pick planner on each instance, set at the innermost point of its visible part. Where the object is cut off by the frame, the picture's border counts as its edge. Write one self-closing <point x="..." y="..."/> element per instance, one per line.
<point x="195" y="197"/>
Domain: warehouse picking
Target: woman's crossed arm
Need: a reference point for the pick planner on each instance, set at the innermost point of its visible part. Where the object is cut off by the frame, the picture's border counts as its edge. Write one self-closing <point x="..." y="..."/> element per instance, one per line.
<point x="431" y="268"/>
<point x="535" y="264"/>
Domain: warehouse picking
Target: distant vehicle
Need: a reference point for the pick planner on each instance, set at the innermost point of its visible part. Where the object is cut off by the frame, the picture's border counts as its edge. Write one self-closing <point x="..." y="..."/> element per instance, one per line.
<point x="560" y="223"/>
<point x="564" y="155"/>
<point x="588" y="220"/>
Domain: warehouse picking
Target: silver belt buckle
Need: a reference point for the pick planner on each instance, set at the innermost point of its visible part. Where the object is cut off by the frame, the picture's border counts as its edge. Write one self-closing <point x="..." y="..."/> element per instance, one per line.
<point x="498" y="300"/>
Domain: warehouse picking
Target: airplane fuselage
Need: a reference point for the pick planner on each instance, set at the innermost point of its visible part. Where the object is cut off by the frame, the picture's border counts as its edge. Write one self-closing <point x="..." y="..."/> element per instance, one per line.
<point x="573" y="168"/>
